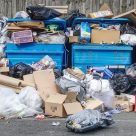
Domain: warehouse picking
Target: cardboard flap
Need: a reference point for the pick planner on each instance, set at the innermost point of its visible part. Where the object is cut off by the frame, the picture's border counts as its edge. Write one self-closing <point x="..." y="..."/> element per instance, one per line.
<point x="45" y="82"/>
<point x="72" y="108"/>
<point x="71" y="97"/>
<point x="29" y="78"/>
<point x="56" y="98"/>
<point x="93" y="104"/>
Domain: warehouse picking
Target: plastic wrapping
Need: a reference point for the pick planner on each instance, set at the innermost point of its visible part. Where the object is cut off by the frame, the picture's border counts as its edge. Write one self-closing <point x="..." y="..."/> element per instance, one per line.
<point x="71" y="16"/>
<point x="88" y="120"/>
<point x="12" y="107"/>
<point x="131" y="71"/>
<point x="21" y="14"/>
<point x="45" y="63"/>
<point x="41" y="13"/>
<point x="120" y="83"/>
<point x="129" y="39"/>
<point x="100" y="89"/>
<point x="20" y="69"/>
<point x="30" y="97"/>
<point x="57" y="38"/>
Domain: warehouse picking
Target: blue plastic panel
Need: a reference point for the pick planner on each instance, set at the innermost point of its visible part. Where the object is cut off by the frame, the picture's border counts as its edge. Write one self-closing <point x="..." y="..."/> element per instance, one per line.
<point x="101" y="21"/>
<point x="84" y="55"/>
<point x="28" y="53"/>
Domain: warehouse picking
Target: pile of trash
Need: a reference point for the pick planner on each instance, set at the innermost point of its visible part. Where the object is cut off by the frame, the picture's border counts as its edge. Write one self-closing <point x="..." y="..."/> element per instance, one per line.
<point x="44" y="88"/>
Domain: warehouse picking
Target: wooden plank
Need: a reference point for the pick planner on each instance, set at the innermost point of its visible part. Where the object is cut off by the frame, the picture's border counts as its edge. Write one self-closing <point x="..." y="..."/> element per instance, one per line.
<point x="123" y="6"/>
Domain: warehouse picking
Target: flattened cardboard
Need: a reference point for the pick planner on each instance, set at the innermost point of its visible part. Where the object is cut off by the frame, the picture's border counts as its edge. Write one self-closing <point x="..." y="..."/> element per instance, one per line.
<point x="54" y="105"/>
<point x="130" y="15"/>
<point x="45" y="82"/>
<point x="122" y="103"/>
<point x="94" y="104"/>
<point x="104" y="7"/>
<point x="29" y="78"/>
<point x="73" y="39"/>
<point x="72" y="108"/>
<point x="105" y="36"/>
<point x="71" y="97"/>
<point x="101" y="14"/>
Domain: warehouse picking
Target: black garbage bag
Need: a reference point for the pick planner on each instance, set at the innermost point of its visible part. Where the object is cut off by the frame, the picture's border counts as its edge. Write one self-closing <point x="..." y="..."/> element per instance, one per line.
<point x="127" y="29"/>
<point x="20" y="69"/>
<point x="88" y="120"/>
<point x="120" y="83"/>
<point x="71" y="16"/>
<point x="41" y="13"/>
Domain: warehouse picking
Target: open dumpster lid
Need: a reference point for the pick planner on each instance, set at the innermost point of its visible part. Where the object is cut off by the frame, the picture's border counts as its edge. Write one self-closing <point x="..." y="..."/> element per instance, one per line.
<point x="60" y="22"/>
<point x="101" y="21"/>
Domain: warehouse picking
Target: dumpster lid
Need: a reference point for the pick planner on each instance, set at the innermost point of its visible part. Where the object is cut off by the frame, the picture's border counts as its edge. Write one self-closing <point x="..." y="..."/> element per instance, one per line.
<point x="101" y="21"/>
<point x="60" y="22"/>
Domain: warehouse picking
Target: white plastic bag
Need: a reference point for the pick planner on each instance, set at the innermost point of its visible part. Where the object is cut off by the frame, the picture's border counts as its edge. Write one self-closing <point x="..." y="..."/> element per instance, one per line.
<point x="11" y="106"/>
<point x="128" y="39"/>
<point x="101" y="89"/>
<point x="30" y="97"/>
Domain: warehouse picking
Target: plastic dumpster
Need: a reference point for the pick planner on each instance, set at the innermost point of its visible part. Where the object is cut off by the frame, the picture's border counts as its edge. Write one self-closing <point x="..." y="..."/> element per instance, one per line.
<point x="97" y="55"/>
<point x="33" y="52"/>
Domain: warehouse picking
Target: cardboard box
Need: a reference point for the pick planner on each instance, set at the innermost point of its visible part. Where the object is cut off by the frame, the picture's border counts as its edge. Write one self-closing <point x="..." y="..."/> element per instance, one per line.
<point x="101" y="14"/>
<point x="72" y="108"/>
<point x="94" y="104"/>
<point x="71" y="97"/>
<point x="54" y="105"/>
<point x="105" y="36"/>
<point x="73" y="39"/>
<point x="122" y="103"/>
<point x="130" y="15"/>
<point x="22" y="37"/>
<point x="29" y="78"/>
<point x="45" y="82"/>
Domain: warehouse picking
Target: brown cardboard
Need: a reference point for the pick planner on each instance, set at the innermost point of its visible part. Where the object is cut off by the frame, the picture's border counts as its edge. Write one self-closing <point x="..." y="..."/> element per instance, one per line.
<point x="29" y="78"/>
<point x="73" y="39"/>
<point x="101" y="14"/>
<point x="105" y="36"/>
<point x="54" y="105"/>
<point x="76" y="72"/>
<point x="72" y="108"/>
<point x="94" y="104"/>
<point x="130" y="15"/>
<point x="104" y="7"/>
<point x="71" y="97"/>
<point x="45" y="82"/>
<point x="122" y="103"/>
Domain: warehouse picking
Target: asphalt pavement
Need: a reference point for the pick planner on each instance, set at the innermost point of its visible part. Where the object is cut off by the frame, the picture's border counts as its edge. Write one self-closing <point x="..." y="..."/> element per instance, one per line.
<point x="125" y="125"/>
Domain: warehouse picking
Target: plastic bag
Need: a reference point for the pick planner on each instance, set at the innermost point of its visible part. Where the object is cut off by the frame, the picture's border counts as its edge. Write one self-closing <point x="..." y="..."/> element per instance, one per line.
<point x="21" y="14"/>
<point x="30" y="97"/>
<point x="20" y="69"/>
<point x="41" y="13"/>
<point x="45" y="63"/>
<point x="129" y="39"/>
<point x="88" y="120"/>
<point x="120" y="83"/>
<point x="127" y="29"/>
<point x="71" y="16"/>
<point x="56" y="38"/>
<point x="131" y="71"/>
<point x="101" y="89"/>
<point x="12" y="107"/>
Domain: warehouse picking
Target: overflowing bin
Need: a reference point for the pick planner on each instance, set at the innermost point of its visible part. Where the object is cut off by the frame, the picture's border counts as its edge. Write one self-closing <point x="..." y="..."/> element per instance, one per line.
<point x="29" y="53"/>
<point x="99" y="54"/>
